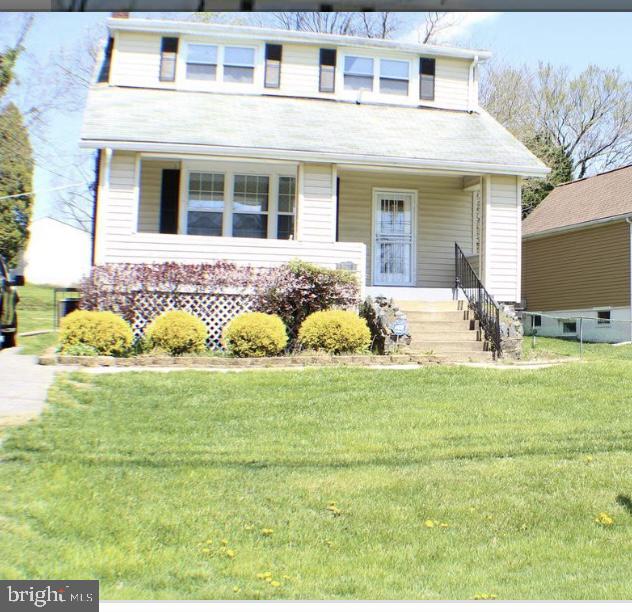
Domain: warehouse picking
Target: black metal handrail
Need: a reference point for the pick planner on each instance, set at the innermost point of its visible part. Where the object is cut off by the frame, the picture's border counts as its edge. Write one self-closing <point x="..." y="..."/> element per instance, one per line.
<point x="484" y="305"/>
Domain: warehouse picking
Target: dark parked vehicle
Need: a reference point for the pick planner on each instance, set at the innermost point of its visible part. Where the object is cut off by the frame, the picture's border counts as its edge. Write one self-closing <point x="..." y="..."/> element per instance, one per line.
<point x="8" y="302"/>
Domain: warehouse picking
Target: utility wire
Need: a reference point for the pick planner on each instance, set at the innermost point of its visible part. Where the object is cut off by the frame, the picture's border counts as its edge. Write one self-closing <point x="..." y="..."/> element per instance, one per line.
<point x="19" y="195"/>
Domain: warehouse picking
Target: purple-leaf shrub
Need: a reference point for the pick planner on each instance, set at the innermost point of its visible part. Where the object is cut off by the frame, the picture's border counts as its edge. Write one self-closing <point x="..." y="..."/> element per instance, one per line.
<point x="296" y="290"/>
<point x="293" y="291"/>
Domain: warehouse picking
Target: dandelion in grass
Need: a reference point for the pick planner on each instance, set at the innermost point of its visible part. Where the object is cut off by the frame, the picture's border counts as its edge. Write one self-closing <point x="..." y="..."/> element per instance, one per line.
<point x="236" y="589"/>
<point x="588" y="458"/>
<point x="224" y="542"/>
<point x="230" y="553"/>
<point x="444" y="525"/>
<point x="604" y="519"/>
<point x="485" y="596"/>
<point x="275" y="583"/>
<point x="333" y="508"/>
<point x="267" y="532"/>
<point x="429" y="523"/>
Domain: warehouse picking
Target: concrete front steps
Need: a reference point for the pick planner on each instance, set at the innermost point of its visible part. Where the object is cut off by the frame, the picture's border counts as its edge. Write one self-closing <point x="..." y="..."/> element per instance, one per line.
<point x="447" y="330"/>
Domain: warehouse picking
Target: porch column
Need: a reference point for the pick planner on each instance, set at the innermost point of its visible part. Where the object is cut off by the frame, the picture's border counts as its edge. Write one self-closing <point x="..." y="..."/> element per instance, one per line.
<point x="316" y="220"/>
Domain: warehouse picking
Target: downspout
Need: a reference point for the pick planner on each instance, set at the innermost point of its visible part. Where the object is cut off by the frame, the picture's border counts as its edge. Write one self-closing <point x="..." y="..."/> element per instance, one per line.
<point x="629" y="222"/>
<point x="472" y="104"/>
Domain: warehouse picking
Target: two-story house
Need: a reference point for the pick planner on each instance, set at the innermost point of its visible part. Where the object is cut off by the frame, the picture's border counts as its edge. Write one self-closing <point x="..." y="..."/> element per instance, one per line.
<point x="261" y="145"/>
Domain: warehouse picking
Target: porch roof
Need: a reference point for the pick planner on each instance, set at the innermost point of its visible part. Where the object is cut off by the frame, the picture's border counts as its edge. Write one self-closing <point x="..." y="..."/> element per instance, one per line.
<point x="299" y="129"/>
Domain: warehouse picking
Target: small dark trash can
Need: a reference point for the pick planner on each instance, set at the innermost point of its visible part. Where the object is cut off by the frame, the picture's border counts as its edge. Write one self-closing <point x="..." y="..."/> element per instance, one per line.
<point x="68" y="305"/>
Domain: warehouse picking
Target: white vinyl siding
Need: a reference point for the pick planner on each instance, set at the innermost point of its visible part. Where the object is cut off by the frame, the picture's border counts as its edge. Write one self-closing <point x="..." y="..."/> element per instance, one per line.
<point x="502" y="240"/>
<point x="118" y="242"/>
<point x="150" y="192"/>
<point x="444" y="216"/>
<point x="136" y="63"/>
<point x="317" y="203"/>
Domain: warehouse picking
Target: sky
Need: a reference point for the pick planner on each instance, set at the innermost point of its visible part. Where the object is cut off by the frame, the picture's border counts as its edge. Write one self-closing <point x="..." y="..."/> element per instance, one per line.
<point x="573" y="39"/>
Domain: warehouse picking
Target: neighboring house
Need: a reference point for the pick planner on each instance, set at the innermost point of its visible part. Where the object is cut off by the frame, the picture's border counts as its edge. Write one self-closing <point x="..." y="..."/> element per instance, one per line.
<point x="258" y="146"/>
<point x="57" y="254"/>
<point x="576" y="258"/>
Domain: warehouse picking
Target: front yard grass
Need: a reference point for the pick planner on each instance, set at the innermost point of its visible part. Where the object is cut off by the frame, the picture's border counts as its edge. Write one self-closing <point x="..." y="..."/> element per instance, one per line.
<point x="35" y="312"/>
<point x="439" y="483"/>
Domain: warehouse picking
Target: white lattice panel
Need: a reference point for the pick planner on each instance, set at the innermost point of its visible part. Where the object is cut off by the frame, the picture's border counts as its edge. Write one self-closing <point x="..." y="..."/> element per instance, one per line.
<point x="216" y="310"/>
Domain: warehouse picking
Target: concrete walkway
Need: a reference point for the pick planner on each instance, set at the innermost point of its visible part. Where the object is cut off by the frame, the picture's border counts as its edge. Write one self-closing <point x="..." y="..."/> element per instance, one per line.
<point x="23" y="383"/>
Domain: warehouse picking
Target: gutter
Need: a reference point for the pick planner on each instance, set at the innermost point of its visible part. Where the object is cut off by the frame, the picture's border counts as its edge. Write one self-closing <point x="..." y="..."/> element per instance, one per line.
<point x="472" y="101"/>
<point x="314" y="156"/>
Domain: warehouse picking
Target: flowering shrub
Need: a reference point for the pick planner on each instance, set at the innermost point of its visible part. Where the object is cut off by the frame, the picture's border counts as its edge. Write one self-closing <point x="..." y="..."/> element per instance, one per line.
<point x="105" y="332"/>
<point x="298" y="289"/>
<point x="177" y="332"/>
<point x="255" y="334"/>
<point x="335" y="331"/>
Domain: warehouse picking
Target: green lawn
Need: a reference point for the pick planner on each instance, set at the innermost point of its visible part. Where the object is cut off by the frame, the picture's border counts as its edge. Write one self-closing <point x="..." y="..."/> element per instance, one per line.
<point x="556" y="348"/>
<point x="137" y="478"/>
<point x="35" y="312"/>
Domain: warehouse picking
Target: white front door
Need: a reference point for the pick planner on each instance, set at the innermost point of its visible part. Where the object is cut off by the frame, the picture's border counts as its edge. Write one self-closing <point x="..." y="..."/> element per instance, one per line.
<point x="394" y="237"/>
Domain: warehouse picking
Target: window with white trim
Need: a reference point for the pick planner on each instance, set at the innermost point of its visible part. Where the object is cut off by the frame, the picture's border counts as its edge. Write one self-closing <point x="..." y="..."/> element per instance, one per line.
<point x="205" y="213"/>
<point x="202" y="62"/>
<point x="250" y="206"/>
<point x="286" y="207"/>
<point x="603" y="317"/>
<point x="358" y="73"/>
<point x="239" y="65"/>
<point x="394" y="76"/>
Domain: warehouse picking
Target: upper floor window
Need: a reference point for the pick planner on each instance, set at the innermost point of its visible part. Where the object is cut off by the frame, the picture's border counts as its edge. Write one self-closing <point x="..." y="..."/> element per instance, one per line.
<point x="216" y="63"/>
<point x="358" y="74"/>
<point x="202" y="62"/>
<point x="394" y="77"/>
<point x="239" y="64"/>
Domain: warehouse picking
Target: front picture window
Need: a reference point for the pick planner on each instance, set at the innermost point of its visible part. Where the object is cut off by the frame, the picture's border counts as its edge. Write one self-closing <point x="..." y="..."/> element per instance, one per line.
<point x="358" y="73"/>
<point x="287" y="199"/>
<point x="250" y="206"/>
<point x="205" y="204"/>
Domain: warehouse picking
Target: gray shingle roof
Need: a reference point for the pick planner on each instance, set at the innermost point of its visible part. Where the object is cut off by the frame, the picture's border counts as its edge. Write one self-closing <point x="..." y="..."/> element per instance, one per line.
<point x="591" y="199"/>
<point x="303" y="129"/>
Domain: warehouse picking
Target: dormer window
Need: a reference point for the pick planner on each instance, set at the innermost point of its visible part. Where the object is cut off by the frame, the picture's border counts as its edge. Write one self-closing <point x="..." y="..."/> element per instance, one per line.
<point x="202" y="62"/>
<point x="358" y="74"/>
<point x="239" y="65"/>
<point x="394" y="76"/>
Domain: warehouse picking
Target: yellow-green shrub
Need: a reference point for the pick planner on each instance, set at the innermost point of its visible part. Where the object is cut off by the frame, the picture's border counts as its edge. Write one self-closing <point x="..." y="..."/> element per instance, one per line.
<point x="106" y="332"/>
<point x="255" y="334"/>
<point x="335" y="331"/>
<point x="177" y="332"/>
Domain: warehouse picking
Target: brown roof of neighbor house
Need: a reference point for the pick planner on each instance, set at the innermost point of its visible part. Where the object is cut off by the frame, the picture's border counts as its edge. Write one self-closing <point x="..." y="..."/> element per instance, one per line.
<point x="595" y="198"/>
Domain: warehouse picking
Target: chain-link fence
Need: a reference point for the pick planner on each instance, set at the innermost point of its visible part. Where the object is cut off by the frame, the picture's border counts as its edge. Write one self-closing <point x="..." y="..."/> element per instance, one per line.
<point x="603" y="327"/>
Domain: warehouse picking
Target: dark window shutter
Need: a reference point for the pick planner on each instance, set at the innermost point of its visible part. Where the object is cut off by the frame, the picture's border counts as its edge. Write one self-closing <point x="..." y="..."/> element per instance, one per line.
<point x="104" y="72"/>
<point x="327" y="82"/>
<point x="168" y="57"/>
<point x="274" y="54"/>
<point x="169" y="196"/>
<point x="426" y="78"/>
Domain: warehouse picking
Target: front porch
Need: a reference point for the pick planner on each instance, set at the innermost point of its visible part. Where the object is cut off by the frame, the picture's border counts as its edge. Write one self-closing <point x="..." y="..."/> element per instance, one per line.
<point x="395" y="227"/>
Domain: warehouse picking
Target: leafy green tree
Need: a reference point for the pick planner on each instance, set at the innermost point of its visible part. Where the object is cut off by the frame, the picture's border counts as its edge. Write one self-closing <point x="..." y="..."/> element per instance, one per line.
<point x="534" y="190"/>
<point x="16" y="176"/>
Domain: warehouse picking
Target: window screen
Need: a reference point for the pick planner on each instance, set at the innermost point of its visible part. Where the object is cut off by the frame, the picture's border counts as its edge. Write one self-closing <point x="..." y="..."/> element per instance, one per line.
<point x="202" y="62"/>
